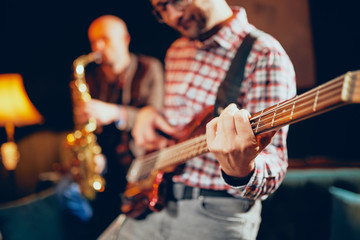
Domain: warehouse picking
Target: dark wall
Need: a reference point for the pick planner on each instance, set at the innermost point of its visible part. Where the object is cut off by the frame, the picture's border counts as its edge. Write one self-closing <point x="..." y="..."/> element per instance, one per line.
<point x="41" y="39"/>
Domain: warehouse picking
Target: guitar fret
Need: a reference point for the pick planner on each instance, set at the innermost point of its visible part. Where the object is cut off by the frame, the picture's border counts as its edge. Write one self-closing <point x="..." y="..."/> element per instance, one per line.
<point x="273" y="119"/>
<point x="316" y="100"/>
<point x="293" y="108"/>
<point x="257" y="125"/>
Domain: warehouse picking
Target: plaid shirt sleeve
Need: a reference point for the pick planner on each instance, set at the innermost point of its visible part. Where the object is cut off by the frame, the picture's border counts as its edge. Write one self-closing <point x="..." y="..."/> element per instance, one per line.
<point x="269" y="79"/>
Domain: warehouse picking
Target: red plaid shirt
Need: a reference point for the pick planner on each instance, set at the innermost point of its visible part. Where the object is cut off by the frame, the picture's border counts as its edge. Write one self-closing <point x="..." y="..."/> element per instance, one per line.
<point x="194" y="71"/>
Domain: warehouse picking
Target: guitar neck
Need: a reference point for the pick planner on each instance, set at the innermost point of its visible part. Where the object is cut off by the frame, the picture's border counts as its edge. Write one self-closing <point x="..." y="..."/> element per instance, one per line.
<point x="333" y="94"/>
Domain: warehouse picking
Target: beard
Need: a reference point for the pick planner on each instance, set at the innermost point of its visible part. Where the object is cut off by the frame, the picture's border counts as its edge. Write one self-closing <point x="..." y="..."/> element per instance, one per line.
<point x="193" y="23"/>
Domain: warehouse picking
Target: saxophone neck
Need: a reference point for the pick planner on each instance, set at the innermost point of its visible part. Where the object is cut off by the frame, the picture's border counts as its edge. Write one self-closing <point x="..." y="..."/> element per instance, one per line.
<point x="82" y="61"/>
<point x="88" y="58"/>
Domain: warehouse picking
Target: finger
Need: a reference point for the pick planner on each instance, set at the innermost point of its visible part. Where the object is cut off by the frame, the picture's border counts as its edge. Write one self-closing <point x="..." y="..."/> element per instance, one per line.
<point x="155" y="145"/>
<point x="149" y="134"/>
<point x="162" y="142"/>
<point x="242" y="123"/>
<point x="228" y="121"/>
<point x="150" y="146"/>
<point x="138" y="136"/>
<point x="164" y="126"/>
<point x="220" y="124"/>
<point x="139" y="141"/>
<point x="211" y="128"/>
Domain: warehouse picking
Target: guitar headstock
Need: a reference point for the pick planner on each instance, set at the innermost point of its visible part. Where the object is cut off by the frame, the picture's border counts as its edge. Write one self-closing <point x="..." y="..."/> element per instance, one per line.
<point x="351" y="87"/>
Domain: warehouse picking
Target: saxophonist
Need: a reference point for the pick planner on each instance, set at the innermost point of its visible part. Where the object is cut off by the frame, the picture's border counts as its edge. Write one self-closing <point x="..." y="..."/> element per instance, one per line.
<point x="119" y="86"/>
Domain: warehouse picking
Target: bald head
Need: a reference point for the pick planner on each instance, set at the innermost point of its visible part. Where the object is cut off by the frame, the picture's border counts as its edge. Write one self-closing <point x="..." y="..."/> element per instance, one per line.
<point x="109" y="35"/>
<point x="108" y="23"/>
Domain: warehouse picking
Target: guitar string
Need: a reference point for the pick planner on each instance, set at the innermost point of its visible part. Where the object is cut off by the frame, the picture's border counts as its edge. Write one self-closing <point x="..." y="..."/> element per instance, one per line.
<point x="149" y="159"/>
<point x="202" y="148"/>
<point x="310" y="94"/>
<point x="183" y="146"/>
<point x="299" y="104"/>
<point x="270" y="112"/>
<point x="325" y="98"/>
<point x="192" y="149"/>
<point x="299" y="111"/>
<point x="329" y="86"/>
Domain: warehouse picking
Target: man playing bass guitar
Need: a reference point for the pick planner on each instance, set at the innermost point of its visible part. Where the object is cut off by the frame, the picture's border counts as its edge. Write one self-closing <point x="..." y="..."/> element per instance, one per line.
<point x="217" y="195"/>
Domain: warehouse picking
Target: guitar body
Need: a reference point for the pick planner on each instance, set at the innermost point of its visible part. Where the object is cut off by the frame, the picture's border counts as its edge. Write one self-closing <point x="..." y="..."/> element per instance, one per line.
<point x="152" y="193"/>
<point x="147" y="195"/>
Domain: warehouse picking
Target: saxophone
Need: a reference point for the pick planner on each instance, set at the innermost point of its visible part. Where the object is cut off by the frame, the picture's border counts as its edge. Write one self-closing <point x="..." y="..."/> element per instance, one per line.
<point x="82" y="141"/>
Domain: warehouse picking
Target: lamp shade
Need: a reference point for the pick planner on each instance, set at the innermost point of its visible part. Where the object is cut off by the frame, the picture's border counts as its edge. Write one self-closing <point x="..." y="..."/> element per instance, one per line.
<point x="15" y="105"/>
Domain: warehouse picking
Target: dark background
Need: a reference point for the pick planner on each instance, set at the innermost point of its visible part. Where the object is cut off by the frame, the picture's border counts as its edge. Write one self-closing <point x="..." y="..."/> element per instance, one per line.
<point x="41" y="39"/>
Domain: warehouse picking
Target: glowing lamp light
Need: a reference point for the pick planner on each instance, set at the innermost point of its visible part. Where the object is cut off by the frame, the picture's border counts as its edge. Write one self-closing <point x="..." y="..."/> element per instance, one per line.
<point x="17" y="110"/>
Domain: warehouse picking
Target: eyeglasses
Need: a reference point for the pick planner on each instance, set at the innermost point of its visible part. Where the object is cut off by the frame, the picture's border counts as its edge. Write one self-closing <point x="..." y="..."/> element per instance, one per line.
<point x="160" y="7"/>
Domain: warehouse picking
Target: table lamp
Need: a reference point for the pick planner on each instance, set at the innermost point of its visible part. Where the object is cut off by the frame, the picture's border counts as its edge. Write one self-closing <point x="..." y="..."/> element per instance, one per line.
<point x="17" y="110"/>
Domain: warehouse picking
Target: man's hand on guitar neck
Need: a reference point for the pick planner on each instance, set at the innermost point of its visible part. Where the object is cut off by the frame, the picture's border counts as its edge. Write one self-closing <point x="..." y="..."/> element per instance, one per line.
<point x="149" y="122"/>
<point x="232" y="141"/>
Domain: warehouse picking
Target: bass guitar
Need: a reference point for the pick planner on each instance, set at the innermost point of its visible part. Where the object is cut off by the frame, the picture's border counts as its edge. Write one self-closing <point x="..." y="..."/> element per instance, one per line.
<point x="147" y="176"/>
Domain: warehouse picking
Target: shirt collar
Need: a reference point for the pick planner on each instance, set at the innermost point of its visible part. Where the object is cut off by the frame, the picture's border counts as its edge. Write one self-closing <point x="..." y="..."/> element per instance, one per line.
<point x="228" y="35"/>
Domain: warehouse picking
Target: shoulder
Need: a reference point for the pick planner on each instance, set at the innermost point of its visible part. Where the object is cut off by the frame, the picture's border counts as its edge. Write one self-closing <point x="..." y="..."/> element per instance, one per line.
<point x="149" y="66"/>
<point x="148" y="62"/>
<point x="268" y="52"/>
<point x="266" y="43"/>
<point x="180" y="48"/>
<point x="180" y="44"/>
<point x="269" y="60"/>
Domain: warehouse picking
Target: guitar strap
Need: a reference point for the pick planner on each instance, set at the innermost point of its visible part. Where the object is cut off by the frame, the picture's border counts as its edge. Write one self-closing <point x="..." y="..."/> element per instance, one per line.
<point x="228" y="90"/>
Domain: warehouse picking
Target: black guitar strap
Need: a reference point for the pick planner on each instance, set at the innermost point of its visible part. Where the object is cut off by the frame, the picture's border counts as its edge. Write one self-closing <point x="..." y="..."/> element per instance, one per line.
<point x="228" y="91"/>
